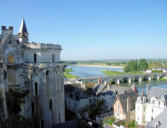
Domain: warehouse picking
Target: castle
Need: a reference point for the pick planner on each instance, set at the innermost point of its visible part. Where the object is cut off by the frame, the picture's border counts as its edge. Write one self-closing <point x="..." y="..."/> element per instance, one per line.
<point x="35" y="67"/>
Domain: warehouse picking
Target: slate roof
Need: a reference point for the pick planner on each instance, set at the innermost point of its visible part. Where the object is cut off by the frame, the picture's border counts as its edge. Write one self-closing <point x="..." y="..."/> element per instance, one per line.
<point x="123" y="100"/>
<point x="98" y="88"/>
<point x="156" y="92"/>
<point x="160" y="118"/>
<point x="23" y="28"/>
<point x="111" y="93"/>
<point x="120" y="89"/>
<point x="79" y="94"/>
<point x="67" y="124"/>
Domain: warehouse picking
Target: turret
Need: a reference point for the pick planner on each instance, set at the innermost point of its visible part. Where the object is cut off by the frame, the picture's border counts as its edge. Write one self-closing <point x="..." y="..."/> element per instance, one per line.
<point x="23" y="33"/>
<point x="6" y="31"/>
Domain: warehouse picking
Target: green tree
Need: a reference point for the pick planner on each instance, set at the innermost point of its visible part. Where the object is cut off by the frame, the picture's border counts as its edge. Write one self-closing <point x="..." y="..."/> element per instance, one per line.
<point x="136" y="65"/>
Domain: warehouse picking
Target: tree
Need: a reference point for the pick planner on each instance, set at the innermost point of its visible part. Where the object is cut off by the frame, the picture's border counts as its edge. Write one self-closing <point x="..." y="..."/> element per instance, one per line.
<point x="136" y="66"/>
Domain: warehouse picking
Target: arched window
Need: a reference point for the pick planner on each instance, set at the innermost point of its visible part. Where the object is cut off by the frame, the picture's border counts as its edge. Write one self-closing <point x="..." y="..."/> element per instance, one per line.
<point x="11" y="58"/>
<point x="47" y="73"/>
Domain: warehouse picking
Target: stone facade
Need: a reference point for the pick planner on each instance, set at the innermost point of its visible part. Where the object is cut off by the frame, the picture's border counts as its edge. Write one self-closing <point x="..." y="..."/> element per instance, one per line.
<point x="35" y="67"/>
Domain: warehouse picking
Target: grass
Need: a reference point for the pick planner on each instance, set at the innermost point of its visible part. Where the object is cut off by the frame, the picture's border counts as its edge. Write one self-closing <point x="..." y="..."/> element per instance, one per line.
<point x="109" y="120"/>
<point x="112" y="73"/>
<point x="163" y="79"/>
<point x="117" y="73"/>
<point x="68" y="74"/>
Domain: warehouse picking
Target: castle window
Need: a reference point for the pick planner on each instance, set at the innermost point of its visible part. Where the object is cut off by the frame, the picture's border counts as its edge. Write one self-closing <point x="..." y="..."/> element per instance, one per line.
<point x="42" y="124"/>
<point x="9" y="42"/>
<point x="5" y="75"/>
<point x="36" y="88"/>
<point x="32" y="107"/>
<point x="50" y="104"/>
<point x="35" y="58"/>
<point x="59" y="117"/>
<point x="11" y="58"/>
<point x="53" y="56"/>
<point x="47" y="73"/>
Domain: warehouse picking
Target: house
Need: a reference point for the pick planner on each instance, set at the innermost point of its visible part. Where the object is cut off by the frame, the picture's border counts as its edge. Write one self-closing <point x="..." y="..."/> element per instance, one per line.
<point x="148" y="71"/>
<point x="150" y="105"/>
<point x="125" y="105"/>
<point x="120" y="89"/>
<point x="104" y="87"/>
<point x="79" y="101"/>
<point x="109" y="98"/>
<point x="159" y="122"/>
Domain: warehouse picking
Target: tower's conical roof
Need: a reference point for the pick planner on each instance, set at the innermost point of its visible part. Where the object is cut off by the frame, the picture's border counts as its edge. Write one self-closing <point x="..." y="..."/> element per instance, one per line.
<point x="23" y="28"/>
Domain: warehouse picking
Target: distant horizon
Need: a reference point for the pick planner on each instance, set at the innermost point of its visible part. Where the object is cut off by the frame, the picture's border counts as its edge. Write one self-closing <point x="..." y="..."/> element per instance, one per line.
<point x="94" y="29"/>
<point x="120" y="59"/>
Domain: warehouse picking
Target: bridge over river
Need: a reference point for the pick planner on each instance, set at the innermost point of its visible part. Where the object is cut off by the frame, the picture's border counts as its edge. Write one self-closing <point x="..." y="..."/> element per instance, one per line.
<point x="127" y="78"/>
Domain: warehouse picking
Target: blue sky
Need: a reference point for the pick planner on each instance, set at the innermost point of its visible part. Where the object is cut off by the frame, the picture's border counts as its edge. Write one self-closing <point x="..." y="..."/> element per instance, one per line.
<point x="93" y="29"/>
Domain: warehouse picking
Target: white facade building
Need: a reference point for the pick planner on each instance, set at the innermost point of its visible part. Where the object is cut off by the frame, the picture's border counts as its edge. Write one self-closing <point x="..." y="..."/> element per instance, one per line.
<point x="149" y="106"/>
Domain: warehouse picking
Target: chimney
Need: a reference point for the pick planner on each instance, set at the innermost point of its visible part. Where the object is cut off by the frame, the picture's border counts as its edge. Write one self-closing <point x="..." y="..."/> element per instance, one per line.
<point x="108" y="87"/>
<point x="147" y="88"/>
<point x="99" y="80"/>
<point x="3" y="27"/>
<point x="10" y="27"/>
<point x="128" y="104"/>
<point x="135" y="89"/>
<point x="105" y="82"/>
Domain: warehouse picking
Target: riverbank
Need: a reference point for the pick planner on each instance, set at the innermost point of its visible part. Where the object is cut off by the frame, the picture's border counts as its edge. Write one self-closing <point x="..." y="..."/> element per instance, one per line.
<point x="99" y="66"/>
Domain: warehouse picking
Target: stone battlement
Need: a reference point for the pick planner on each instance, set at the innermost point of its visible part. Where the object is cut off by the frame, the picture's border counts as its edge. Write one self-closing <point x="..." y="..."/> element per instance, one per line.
<point x="34" y="45"/>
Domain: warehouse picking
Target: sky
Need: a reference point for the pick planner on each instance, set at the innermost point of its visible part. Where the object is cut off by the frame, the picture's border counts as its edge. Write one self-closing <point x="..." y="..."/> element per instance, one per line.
<point x="93" y="29"/>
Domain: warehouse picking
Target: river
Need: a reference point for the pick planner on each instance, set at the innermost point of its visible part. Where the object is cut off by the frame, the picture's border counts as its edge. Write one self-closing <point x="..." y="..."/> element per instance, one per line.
<point x="85" y="72"/>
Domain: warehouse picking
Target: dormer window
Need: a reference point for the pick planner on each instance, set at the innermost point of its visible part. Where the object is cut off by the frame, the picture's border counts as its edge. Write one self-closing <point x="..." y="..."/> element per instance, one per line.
<point x="152" y="101"/>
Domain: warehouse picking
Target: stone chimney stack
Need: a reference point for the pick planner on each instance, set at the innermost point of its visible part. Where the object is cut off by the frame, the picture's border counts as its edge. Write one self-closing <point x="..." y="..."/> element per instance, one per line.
<point x="147" y="88"/>
<point x="105" y="82"/>
<point x="108" y="87"/>
<point x="99" y="80"/>
<point x="6" y="31"/>
<point x="128" y="104"/>
<point x="135" y="89"/>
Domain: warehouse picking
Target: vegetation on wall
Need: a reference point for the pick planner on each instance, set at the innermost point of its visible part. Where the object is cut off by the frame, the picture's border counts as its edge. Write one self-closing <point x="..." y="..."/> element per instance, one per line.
<point x="15" y="99"/>
<point x="96" y="110"/>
